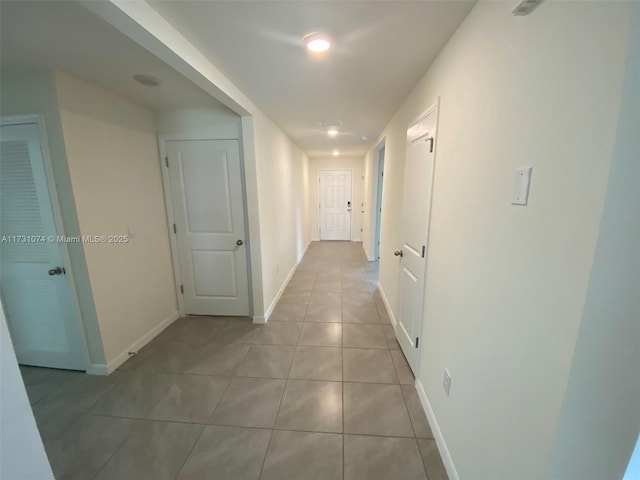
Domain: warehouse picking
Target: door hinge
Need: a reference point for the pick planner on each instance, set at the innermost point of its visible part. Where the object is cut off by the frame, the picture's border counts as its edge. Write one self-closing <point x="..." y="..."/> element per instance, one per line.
<point x="166" y="161"/>
<point x="424" y="249"/>
<point x="175" y="230"/>
<point x="431" y="146"/>
<point x="382" y="174"/>
<point x="361" y="230"/>
<point x="182" y="289"/>
<point x="417" y="341"/>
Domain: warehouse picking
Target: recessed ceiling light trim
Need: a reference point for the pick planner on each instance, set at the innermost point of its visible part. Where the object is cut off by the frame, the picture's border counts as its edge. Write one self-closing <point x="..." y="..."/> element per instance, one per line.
<point x="336" y="153"/>
<point x="147" y="80"/>
<point x="333" y="132"/>
<point x="317" y="42"/>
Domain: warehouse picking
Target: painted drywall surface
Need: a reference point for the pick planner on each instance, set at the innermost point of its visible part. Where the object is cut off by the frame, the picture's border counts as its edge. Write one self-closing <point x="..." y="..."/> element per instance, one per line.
<point x="600" y="418"/>
<point x="34" y="93"/>
<point x="280" y="168"/>
<point x="194" y="123"/>
<point x="356" y="164"/>
<point x="506" y="285"/>
<point x="22" y="454"/>
<point x="114" y="165"/>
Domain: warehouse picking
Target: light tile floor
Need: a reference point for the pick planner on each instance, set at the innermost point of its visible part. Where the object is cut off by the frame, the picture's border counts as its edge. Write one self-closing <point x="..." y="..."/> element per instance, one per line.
<point x="320" y="392"/>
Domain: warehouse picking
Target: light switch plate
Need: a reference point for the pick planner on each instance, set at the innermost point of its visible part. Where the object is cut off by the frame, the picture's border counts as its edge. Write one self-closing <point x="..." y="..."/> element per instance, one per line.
<point x="521" y="183"/>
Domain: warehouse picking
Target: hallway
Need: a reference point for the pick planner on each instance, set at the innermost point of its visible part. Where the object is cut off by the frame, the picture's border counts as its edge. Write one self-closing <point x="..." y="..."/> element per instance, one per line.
<point x="320" y="392"/>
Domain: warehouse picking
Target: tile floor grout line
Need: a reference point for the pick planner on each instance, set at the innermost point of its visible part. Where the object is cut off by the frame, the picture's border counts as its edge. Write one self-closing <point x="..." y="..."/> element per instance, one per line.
<point x="186" y="458"/>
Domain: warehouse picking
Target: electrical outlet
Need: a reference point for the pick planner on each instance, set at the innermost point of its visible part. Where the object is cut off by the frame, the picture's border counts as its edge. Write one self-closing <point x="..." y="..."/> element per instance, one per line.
<point x="446" y="382"/>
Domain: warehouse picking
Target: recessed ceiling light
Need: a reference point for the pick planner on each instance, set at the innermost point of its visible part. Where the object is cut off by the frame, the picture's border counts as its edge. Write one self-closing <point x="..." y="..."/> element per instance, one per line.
<point x="365" y="138"/>
<point x="317" y="42"/>
<point x="335" y="153"/>
<point x="147" y="80"/>
<point x="332" y="132"/>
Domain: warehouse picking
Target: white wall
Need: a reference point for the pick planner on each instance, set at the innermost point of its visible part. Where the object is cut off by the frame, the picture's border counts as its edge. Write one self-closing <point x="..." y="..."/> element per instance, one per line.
<point x="281" y="171"/>
<point x="22" y="454"/>
<point x="34" y="93"/>
<point x="600" y="418"/>
<point x="356" y="164"/>
<point x="114" y="165"/>
<point x="506" y="285"/>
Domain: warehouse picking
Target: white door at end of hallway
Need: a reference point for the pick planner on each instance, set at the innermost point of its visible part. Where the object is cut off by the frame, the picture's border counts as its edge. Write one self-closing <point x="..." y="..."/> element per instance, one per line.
<point x="208" y="206"/>
<point x="416" y="213"/>
<point x="36" y="290"/>
<point x="335" y="204"/>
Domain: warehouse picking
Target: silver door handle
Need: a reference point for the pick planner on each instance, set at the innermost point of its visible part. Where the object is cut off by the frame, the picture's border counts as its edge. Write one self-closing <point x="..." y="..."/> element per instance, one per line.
<point x="56" y="271"/>
<point x="398" y="253"/>
<point x="239" y="242"/>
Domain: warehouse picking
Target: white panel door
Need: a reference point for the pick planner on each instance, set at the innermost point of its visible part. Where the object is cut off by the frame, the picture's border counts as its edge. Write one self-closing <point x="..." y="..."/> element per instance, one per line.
<point x="206" y="194"/>
<point x="416" y="212"/>
<point x="37" y="297"/>
<point x="335" y="204"/>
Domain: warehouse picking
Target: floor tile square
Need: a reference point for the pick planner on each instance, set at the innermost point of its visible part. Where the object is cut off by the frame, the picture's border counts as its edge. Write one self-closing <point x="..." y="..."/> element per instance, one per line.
<point x="368" y="365"/>
<point x="191" y="330"/>
<point x="323" y="314"/>
<point x="321" y="334"/>
<point x="325" y="298"/>
<point x="363" y="336"/>
<point x="191" y="398"/>
<point x="218" y="359"/>
<point x="358" y="299"/>
<point x="356" y="314"/>
<point x="225" y="453"/>
<point x="379" y="458"/>
<point x="295" y="297"/>
<point x="321" y="285"/>
<point x="249" y="402"/>
<point x="279" y="333"/>
<point x="82" y="450"/>
<point x="288" y="312"/>
<point x="171" y="357"/>
<point x="311" y="406"/>
<point x="432" y="460"/>
<point x="416" y="412"/>
<point x="154" y="450"/>
<point x="405" y="376"/>
<point x="135" y="394"/>
<point x="373" y="409"/>
<point x="236" y="331"/>
<point x="303" y="455"/>
<point x="317" y="363"/>
<point x="269" y="361"/>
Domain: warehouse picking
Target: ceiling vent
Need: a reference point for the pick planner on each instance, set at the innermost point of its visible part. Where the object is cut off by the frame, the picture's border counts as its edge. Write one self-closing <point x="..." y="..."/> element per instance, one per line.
<point x="147" y="80"/>
<point x="525" y="7"/>
<point x="331" y="123"/>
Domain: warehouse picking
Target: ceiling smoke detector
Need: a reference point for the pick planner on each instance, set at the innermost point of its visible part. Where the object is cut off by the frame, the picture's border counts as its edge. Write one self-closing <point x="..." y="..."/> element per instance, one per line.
<point x="147" y="80"/>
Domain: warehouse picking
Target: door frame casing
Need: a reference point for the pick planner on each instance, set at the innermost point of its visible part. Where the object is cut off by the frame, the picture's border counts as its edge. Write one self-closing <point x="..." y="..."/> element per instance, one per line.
<point x="320" y="170"/>
<point x="39" y="121"/>
<point x="435" y="107"/>
<point x="166" y="187"/>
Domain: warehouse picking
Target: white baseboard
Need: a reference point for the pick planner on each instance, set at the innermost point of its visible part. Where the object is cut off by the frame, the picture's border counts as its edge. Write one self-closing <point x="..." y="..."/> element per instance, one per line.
<point x="437" y="433"/>
<point x="356" y="239"/>
<point x="111" y="366"/>
<point x="259" y="319"/>
<point x="387" y="306"/>
<point x="264" y="319"/>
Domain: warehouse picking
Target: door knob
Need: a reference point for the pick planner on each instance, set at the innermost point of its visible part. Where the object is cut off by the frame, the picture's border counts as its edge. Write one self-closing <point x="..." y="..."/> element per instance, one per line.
<point x="398" y="253"/>
<point x="56" y="271"/>
<point x="239" y="242"/>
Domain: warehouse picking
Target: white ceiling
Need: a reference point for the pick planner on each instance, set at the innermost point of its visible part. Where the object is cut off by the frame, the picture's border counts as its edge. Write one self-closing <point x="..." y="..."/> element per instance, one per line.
<point x="381" y="49"/>
<point x="64" y="35"/>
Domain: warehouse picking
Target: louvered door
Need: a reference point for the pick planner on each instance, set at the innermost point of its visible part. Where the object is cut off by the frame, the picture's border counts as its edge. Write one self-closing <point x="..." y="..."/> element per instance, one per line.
<point x="34" y="290"/>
